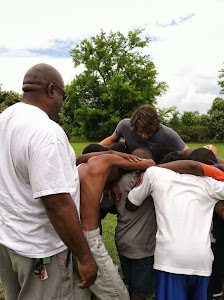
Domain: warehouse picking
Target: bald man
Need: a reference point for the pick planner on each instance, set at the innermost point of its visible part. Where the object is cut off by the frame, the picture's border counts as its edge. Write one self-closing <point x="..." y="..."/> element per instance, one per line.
<point x="40" y="196"/>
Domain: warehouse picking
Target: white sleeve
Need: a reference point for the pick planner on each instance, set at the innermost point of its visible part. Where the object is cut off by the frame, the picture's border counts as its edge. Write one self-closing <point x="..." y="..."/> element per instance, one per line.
<point x="216" y="189"/>
<point x="51" y="171"/>
<point x="138" y="194"/>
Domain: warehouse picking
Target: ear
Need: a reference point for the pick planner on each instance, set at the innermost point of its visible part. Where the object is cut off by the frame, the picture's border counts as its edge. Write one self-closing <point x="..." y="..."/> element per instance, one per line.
<point x="50" y="90"/>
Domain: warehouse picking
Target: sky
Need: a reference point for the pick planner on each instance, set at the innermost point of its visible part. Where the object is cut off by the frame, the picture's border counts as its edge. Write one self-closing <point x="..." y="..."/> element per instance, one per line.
<point x="186" y="44"/>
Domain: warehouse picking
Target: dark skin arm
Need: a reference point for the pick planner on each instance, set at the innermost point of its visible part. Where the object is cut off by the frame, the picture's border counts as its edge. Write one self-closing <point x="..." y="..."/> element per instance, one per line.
<point x="129" y="206"/>
<point x="184" y="166"/>
<point x="180" y="166"/>
<point x="63" y="216"/>
<point x="85" y="157"/>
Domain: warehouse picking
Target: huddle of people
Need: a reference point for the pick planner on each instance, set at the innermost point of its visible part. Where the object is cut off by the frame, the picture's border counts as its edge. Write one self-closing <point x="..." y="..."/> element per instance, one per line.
<point x="52" y="203"/>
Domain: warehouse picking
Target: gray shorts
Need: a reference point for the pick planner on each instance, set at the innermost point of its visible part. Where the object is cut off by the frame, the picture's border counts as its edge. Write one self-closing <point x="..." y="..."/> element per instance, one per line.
<point x="108" y="285"/>
<point x="19" y="281"/>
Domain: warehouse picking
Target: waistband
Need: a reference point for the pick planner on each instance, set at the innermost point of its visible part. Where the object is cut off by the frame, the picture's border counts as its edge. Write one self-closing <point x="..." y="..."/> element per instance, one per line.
<point x="87" y="228"/>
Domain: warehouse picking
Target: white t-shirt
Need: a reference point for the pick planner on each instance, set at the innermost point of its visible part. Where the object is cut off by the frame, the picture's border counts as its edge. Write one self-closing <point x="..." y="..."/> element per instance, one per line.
<point x="36" y="160"/>
<point x="184" y="207"/>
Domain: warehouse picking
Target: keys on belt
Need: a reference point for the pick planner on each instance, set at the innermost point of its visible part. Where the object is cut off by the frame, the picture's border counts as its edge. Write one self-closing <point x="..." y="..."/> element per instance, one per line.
<point x="40" y="269"/>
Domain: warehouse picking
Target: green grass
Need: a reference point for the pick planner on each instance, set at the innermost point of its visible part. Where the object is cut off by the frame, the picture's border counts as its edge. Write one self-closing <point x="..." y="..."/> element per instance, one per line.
<point x="1" y="292"/>
<point x="109" y="223"/>
<point x="78" y="147"/>
<point x="219" y="146"/>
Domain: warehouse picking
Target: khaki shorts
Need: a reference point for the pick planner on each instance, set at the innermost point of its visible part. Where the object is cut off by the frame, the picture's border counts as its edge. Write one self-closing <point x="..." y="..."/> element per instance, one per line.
<point x="20" y="282"/>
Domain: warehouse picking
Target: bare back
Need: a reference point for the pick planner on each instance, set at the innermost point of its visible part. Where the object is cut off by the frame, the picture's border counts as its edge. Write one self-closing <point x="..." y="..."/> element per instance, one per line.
<point x="93" y="177"/>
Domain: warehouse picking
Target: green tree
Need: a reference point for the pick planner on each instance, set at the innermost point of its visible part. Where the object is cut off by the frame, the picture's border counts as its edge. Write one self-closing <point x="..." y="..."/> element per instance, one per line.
<point x="166" y="114"/>
<point x="117" y="79"/>
<point x="221" y="82"/>
<point x="189" y="118"/>
<point x="7" y="99"/>
<point x="216" y="120"/>
<point x="191" y="126"/>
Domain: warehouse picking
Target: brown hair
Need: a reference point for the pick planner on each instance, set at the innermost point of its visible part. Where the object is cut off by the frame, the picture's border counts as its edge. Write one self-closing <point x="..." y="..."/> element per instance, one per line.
<point x="147" y="118"/>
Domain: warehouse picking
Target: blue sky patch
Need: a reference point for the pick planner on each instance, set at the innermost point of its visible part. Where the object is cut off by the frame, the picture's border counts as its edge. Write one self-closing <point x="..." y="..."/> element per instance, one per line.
<point x="174" y="22"/>
<point x="59" y="49"/>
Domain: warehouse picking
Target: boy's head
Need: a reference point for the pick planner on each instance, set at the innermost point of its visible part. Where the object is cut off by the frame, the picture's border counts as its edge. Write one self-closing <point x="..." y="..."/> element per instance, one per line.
<point x="158" y="152"/>
<point x="142" y="153"/>
<point x="120" y="147"/>
<point x="116" y="172"/>
<point x="172" y="156"/>
<point x="145" y="121"/>
<point x="114" y="175"/>
<point x="204" y="156"/>
<point x="93" y="148"/>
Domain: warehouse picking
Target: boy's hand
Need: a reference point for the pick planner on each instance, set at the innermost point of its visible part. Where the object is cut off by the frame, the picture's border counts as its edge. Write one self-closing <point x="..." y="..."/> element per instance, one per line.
<point x="127" y="156"/>
<point x="114" y="189"/>
<point x="139" y="181"/>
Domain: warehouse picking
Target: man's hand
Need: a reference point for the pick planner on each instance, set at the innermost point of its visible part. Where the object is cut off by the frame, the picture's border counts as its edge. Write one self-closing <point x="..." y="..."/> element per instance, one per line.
<point x="62" y="213"/>
<point x="88" y="272"/>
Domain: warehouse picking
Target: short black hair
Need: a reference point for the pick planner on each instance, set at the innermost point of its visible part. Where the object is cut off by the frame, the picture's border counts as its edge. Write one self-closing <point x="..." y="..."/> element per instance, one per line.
<point x="158" y="152"/>
<point x="172" y="156"/>
<point x="204" y="156"/>
<point x="93" y="148"/>
<point x="142" y="153"/>
<point x="120" y="147"/>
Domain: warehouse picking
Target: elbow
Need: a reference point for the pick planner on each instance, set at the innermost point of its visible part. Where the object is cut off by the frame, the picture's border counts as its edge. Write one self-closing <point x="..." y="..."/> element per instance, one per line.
<point x="129" y="206"/>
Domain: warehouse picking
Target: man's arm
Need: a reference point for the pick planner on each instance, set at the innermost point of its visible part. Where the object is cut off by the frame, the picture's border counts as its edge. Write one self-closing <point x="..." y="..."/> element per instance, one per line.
<point x="185" y="148"/>
<point x="109" y="140"/>
<point x="62" y="213"/>
<point x="185" y="167"/>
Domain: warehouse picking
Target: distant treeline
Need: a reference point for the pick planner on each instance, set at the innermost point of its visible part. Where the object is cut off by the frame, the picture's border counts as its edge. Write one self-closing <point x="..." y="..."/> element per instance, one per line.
<point x="191" y="126"/>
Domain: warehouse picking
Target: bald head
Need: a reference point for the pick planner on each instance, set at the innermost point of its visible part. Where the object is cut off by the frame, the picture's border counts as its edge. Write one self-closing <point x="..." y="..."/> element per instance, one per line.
<point x="39" y="76"/>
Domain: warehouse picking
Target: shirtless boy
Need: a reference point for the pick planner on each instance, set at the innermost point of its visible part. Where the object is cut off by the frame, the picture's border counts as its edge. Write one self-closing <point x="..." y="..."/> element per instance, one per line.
<point x="94" y="175"/>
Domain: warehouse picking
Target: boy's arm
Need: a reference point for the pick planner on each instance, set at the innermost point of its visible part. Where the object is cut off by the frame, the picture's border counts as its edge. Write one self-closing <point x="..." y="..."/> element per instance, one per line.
<point x="219" y="208"/>
<point x="134" y="165"/>
<point x="85" y="157"/>
<point x="185" y="167"/>
<point x="195" y="168"/>
<point x="130" y="206"/>
<point x="221" y="167"/>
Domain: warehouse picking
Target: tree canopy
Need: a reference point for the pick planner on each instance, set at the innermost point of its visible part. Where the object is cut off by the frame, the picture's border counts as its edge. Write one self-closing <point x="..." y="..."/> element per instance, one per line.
<point x="216" y="120"/>
<point x="221" y="82"/>
<point x="116" y="80"/>
<point x="8" y="98"/>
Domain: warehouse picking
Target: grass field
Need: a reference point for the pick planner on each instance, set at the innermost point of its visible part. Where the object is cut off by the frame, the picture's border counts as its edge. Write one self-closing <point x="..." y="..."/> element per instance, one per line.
<point x="78" y="147"/>
<point x="109" y="223"/>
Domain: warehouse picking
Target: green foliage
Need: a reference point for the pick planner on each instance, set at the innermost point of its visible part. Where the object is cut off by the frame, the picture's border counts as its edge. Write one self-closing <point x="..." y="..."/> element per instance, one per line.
<point x="191" y="126"/>
<point x="166" y="113"/>
<point x="216" y="120"/>
<point x="117" y="79"/>
<point x="221" y="82"/>
<point x="7" y="99"/>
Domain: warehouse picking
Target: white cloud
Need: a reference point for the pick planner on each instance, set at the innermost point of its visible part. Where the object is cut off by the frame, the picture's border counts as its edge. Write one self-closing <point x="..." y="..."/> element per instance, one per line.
<point x="188" y="51"/>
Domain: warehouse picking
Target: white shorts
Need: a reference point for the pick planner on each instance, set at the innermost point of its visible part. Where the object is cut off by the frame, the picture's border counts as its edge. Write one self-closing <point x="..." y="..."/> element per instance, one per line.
<point x="108" y="284"/>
